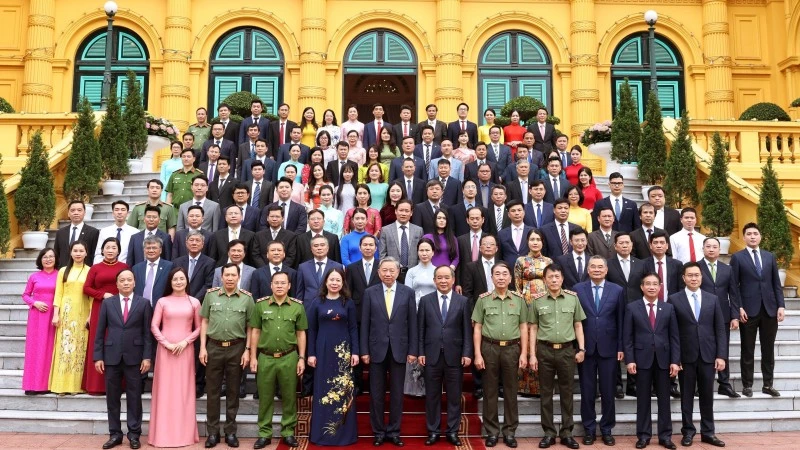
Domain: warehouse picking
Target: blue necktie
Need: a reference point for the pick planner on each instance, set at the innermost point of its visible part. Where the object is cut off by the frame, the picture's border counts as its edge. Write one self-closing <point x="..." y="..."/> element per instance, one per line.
<point x="617" y="209"/>
<point x="403" y="247"/>
<point x="696" y="307"/>
<point x="539" y="215"/>
<point x="757" y="261"/>
<point x="319" y="271"/>
<point x="444" y="308"/>
<point x="256" y="193"/>
<point x="597" y="298"/>
<point x="119" y="236"/>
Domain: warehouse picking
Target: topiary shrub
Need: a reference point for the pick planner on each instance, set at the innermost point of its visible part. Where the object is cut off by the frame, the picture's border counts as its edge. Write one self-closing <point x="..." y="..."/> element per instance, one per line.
<point x="5" y="223"/>
<point x="717" y="214"/>
<point x="795" y="103"/>
<point x="680" y="184"/>
<point x="627" y="132"/>
<point x="113" y="148"/>
<point x="501" y="121"/>
<point x="134" y="119"/>
<point x="771" y="216"/>
<point x="765" y="111"/>
<point x="35" y="198"/>
<point x="5" y="106"/>
<point x="527" y="107"/>
<point x="653" y="145"/>
<point x="84" y="170"/>
<point x="240" y="103"/>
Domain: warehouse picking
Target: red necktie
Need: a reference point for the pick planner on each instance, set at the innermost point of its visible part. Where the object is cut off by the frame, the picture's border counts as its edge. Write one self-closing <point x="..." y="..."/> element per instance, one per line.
<point x="283" y="132"/>
<point x="692" y="256"/>
<point x="125" y="309"/>
<point x="463" y="126"/>
<point x="378" y="130"/>
<point x="405" y="130"/>
<point x="652" y="316"/>
<point x="661" y="277"/>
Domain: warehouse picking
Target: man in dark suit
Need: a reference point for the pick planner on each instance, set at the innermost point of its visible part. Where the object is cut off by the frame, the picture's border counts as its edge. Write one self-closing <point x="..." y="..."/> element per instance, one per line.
<point x="396" y="171"/>
<point x="445" y="344"/>
<point x="294" y="217"/>
<point x="458" y="212"/>
<point x="428" y="150"/>
<point x="718" y="280"/>
<point x="536" y="157"/>
<point x="194" y="221"/>
<point x="152" y="218"/>
<point x="221" y="189"/>
<point x="404" y="128"/>
<point x="77" y="230"/>
<point x="498" y="153"/>
<point x="513" y="240"/>
<point x="361" y="275"/>
<point x="469" y="239"/>
<point x="280" y="130"/>
<point x="267" y="164"/>
<point x="626" y="216"/>
<point x="538" y="212"/>
<point x="409" y="179"/>
<point x="604" y="305"/>
<point x="231" y="127"/>
<point x="311" y="273"/>
<point x="261" y="189"/>
<point x="462" y="124"/>
<point x="151" y="274"/>
<point x="275" y="232"/>
<point x="641" y="235"/>
<point x="556" y="233"/>
<point x="335" y="167"/>
<point x="471" y="170"/>
<point x="510" y="174"/>
<point x="484" y="183"/>
<point x="575" y="262"/>
<point x="704" y="350"/>
<point x="233" y="231"/>
<point x="601" y="240"/>
<point x="498" y="212"/>
<point x="218" y="138"/>
<point x="316" y="222"/>
<point x="544" y="133"/>
<point x="261" y="281"/>
<point x="667" y="268"/>
<point x="438" y="128"/>
<point x="389" y="339"/>
<point x="667" y="218"/>
<point x="372" y="129"/>
<point x="756" y="273"/>
<point x="123" y="350"/>
<point x="651" y="341"/>
<point x="255" y="119"/>
<point x="425" y="213"/>
<point x="251" y="214"/>
<point x="246" y="151"/>
<point x="555" y="183"/>
<point x="451" y="186"/>
<point x="517" y="189"/>
<point x="201" y="270"/>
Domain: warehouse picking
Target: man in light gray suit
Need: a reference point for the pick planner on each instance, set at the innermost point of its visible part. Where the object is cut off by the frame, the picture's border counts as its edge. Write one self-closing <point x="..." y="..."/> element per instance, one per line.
<point x="237" y="251"/>
<point x="211" y="211"/>
<point x="456" y="166"/>
<point x="601" y="240"/>
<point x="399" y="240"/>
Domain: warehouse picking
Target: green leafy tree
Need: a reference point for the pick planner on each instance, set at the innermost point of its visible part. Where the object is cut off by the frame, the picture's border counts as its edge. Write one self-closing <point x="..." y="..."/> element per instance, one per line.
<point x="527" y="107"/>
<point x="771" y="215"/>
<point x="5" y="106"/>
<point x="680" y="183"/>
<point x="653" y="145"/>
<point x="35" y="198"/>
<point x="134" y="118"/>
<point x="717" y="213"/>
<point x="113" y="145"/>
<point x="5" y="223"/>
<point x="84" y="169"/>
<point x="626" y="130"/>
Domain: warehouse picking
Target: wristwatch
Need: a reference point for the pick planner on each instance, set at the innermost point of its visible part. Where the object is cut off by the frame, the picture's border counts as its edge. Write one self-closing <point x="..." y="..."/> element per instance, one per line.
<point x="247" y="348"/>
<point x="302" y="357"/>
<point x="581" y="350"/>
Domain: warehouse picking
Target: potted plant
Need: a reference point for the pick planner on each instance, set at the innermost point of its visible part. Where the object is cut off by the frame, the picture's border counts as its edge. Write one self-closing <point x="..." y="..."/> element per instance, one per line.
<point x="652" y="146"/>
<point x="114" y="154"/>
<point x="776" y="236"/>
<point x="83" y="164"/>
<point x="680" y="184"/>
<point x="35" y="198"/>
<point x="627" y="133"/>
<point x="598" y="139"/>
<point x="5" y="224"/>
<point x="717" y="213"/>
<point x="794" y="109"/>
<point x="134" y="120"/>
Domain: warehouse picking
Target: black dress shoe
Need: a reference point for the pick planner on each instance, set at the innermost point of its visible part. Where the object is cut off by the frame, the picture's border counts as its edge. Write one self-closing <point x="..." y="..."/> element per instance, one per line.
<point x="261" y="443"/>
<point x="547" y="441"/>
<point x="291" y="441"/>
<point x="687" y="440"/>
<point x="255" y="395"/>
<point x="242" y="393"/>
<point x="588" y="439"/>
<point x="620" y="394"/>
<point x="396" y="441"/>
<point x="747" y="392"/>
<point x="491" y="441"/>
<point x="609" y="440"/>
<point x="770" y="391"/>
<point x="510" y="441"/>
<point x="642" y="443"/>
<point x="713" y="440"/>
<point x="570" y="442"/>
<point x="135" y="444"/>
<point x="667" y="444"/>
<point x="630" y="392"/>
<point x="478" y="394"/>
<point x="378" y="441"/>
<point x="223" y="391"/>
<point x="728" y="392"/>
<point x="231" y="440"/>
<point x="198" y="394"/>
<point x="674" y="392"/>
<point x="432" y="439"/>
<point x="453" y="439"/>
<point x="212" y="440"/>
<point x="113" y="442"/>
<point x="501" y="393"/>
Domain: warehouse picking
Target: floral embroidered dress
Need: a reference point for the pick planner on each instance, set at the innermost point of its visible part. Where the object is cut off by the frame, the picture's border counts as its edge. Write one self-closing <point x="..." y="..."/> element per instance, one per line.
<point x="69" y="351"/>
<point x="529" y="280"/>
<point x="332" y="338"/>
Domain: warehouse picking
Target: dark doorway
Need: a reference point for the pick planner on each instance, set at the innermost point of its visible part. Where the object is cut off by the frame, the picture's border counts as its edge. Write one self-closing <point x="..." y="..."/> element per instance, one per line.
<point x="392" y="91"/>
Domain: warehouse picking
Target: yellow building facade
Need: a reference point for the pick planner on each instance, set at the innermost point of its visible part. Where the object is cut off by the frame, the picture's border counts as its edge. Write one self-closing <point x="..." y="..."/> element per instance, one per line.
<point x="715" y="57"/>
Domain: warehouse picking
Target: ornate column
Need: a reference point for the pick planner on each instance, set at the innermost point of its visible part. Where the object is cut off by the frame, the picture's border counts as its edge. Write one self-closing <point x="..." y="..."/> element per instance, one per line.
<point x="313" y="28"/>
<point x="448" y="93"/>
<point x="584" y="96"/>
<point x="716" y="46"/>
<point x="37" y="84"/>
<point x="177" y="43"/>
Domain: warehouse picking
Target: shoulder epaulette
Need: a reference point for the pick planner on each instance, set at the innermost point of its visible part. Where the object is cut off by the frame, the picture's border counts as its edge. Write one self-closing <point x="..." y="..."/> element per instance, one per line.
<point x="140" y="203"/>
<point x="214" y="289"/>
<point x="485" y="294"/>
<point x="242" y="290"/>
<point x="262" y="299"/>
<point x="538" y="295"/>
<point x="295" y="300"/>
<point x="570" y="292"/>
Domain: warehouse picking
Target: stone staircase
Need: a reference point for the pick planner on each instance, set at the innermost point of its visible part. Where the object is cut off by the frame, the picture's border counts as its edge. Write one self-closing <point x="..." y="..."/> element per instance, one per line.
<point x="86" y="414"/>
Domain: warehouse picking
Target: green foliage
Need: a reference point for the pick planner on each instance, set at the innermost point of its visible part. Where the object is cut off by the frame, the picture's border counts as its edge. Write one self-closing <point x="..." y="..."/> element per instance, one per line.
<point x="717" y="213"/>
<point x="627" y="132"/>
<point x="765" y="111"/>
<point x="240" y="102"/>
<point x="527" y="107"/>
<point x="680" y="183"/>
<point x="5" y="106"/>
<point x="5" y="224"/>
<point x="502" y="122"/>
<point x="771" y="215"/>
<point x="35" y="198"/>
<point x="653" y="145"/>
<point x="795" y="103"/>
<point x="113" y="148"/>
<point x="84" y="169"/>
<point x="134" y="119"/>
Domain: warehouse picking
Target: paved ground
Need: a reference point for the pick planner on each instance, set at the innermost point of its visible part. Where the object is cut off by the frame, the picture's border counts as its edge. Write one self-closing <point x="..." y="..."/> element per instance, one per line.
<point x="10" y="441"/>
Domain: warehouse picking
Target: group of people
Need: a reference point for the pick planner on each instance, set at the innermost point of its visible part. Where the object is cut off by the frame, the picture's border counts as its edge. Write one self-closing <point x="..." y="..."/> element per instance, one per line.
<point x="303" y="252"/>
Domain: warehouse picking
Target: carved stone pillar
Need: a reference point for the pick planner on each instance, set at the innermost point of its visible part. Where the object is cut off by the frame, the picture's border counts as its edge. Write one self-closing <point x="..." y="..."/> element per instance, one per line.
<point x="313" y="29"/>
<point x="175" y="96"/>
<point x="716" y="46"/>
<point x="584" y="96"/>
<point x="449" y="92"/>
<point x="37" y="84"/>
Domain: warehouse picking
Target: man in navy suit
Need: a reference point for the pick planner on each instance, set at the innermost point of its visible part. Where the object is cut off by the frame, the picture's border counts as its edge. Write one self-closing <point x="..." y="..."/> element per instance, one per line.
<point x="250" y="213"/>
<point x="756" y="273"/>
<point x="604" y="305"/>
<point x="556" y="233"/>
<point x="152" y="218"/>
<point x="424" y="215"/>
<point x="246" y="152"/>
<point x="575" y="262"/>
<point x="544" y="133"/>
<point x="361" y="275"/>
<point x="389" y="339"/>
<point x="518" y="187"/>
<point x="428" y="149"/>
<point x="510" y="174"/>
<point x="396" y="166"/>
<point x="409" y="179"/>
<point x="652" y="346"/>
<point x="311" y="273"/>
<point x="458" y="212"/>
<point x="294" y="216"/>
<point x="462" y="124"/>
<point x="151" y="274"/>
<point x="227" y="147"/>
<point x="498" y="153"/>
<point x="445" y="344"/>
<point x="438" y="128"/>
<point x="255" y="118"/>
<point x="513" y="239"/>
<point x="704" y="350"/>
<point x="280" y="130"/>
<point x="194" y="221"/>
<point x="471" y="170"/>
<point x="484" y="184"/>
<point x="718" y="280"/>
<point x="372" y="129"/>
<point x="261" y="281"/>
<point x="626" y="215"/>
<point x="335" y="167"/>
<point x="451" y="186"/>
<point x="405" y="128"/>
<point x="123" y="350"/>
<point x="267" y="165"/>
<point x="667" y="268"/>
<point x="555" y="182"/>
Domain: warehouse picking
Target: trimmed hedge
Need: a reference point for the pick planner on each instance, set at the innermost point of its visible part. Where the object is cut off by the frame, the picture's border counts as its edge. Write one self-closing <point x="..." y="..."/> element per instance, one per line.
<point x="765" y="111"/>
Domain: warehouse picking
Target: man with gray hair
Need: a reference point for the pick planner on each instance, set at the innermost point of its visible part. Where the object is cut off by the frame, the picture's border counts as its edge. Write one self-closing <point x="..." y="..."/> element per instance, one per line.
<point x="151" y="274"/>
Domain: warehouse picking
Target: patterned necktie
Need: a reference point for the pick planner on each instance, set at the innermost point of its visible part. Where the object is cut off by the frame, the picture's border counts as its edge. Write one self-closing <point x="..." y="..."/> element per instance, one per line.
<point x="319" y="271"/>
<point x="368" y="271"/>
<point x="125" y="309"/>
<point x="405" y="129"/>
<point x="580" y="268"/>
<point x="408" y="188"/>
<point x="556" y="190"/>
<point x="74" y="235"/>
<point x="498" y="217"/>
<point x="463" y="126"/>
<point x="757" y="261"/>
<point x="403" y="247"/>
<point x="617" y="209"/>
<point x="427" y="158"/>
<point x="256" y="193"/>
<point x="661" y="277"/>
<point x="597" y="298"/>
<point x="714" y="271"/>
<point x="444" y="308"/>
<point x="652" y="316"/>
<point x="564" y="243"/>
<point x="608" y="239"/>
<point x="119" y="235"/>
<point x="192" y="263"/>
<point x="211" y="171"/>
<point x="539" y="215"/>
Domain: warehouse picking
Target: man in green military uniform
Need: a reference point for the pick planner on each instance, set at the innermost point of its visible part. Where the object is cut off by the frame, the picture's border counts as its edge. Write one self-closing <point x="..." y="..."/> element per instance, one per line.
<point x="278" y="325"/>
<point x="501" y="348"/>
<point x="224" y="350"/>
<point x="179" y="186"/>
<point x="200" y="130"/>
<point x="555" y="319"/>
<point x="169" y="214"/>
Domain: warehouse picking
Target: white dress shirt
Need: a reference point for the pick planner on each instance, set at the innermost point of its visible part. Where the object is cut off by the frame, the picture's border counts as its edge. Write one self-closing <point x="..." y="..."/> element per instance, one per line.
<point x="659" y="222"/>
<point x="124" y="237"/>
<point x="691" y="300"/>
<point x="487" y="268"/>
<point x="655" y="307"/>
<point x="449" y="295"/>
<point x="679" y="243"/>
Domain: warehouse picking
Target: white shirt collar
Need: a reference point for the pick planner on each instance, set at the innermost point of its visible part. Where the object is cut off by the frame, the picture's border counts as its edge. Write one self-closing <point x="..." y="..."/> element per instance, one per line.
<point x="449" y="294"/>
<point x="490" y="261"/>
<point x="156" y="262"/>
<point x="323" y="261"/>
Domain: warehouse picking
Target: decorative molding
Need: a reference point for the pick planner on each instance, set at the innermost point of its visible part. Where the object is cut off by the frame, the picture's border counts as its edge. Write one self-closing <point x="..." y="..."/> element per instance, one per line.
<point x="584" y="59"/>
<point x="686" y="41"/>
<point x="67" y="43"/>
<point x="41" y="20"/>
<point x="558" y="46"/>
<point x="361" y="22"/>
<point x="584" y="95"/>
<point x="256" y="17"/>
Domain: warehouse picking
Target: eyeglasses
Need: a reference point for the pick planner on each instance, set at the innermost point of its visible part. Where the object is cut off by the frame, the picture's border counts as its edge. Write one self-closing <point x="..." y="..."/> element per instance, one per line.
<point x="616" y="183"/>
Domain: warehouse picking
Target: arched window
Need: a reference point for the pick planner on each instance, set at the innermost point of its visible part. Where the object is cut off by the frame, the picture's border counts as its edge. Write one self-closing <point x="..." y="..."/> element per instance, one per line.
<point x="632" y="61"/>
<point x="246" y="59"/>
<point x="513" y="64"/>
<point x="129" y="53"/>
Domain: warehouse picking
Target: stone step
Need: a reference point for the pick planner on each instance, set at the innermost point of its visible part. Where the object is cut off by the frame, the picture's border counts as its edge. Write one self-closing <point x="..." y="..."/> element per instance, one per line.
<point x="19" y="263"/>
<point x="9" y="274"/>
<point x="23" y="253"/>
<point x="13" y="328"/>
<point x="13" y="312"/>
<point x="103" y="202"/>
<point x="782" y="348"/>
<point x="7" y="298"/>
<point x="142" y="176"/>
<point x="13" y="287"/>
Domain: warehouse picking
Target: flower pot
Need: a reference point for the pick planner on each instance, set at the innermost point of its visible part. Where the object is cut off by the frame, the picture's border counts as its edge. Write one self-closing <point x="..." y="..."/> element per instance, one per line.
<point x="782" y="276"/>
<point x="603" y="150"/>
<point x="154" y="144"/>
<point x="629" y="171"/>
<point x="645" y="188"/>
<point x="113" y="187"/>
<point x="790" y="291"/>
<point x="135" y="165"/>
<point x="89" y="211"/>
<point x="724" y="245"/>
<point x="34" y="240"/>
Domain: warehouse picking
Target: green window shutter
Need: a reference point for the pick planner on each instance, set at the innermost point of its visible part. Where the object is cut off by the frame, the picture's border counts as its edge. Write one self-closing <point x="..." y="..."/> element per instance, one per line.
<point x="225" y="86"/>
<point x="629" y="53"/>
<point x="91" y="87"/>
<point x="496" y="92"/>
<point x="96" y="49"/>
<point x="498" y="51"/>
<point x="529" y="51"/>
<point x="266" y="88"/>
<point x="534" y="88"/>
<point x="130" y="48"/>
<point x="636" y="92"/>
<point x="668" y="98"/>
<point x="232" y="48"/>
<point x="664" y="55"/>
<point x="264" y="48"/>
<point x="397" y="51"/>
<point x="364" y="50"/>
